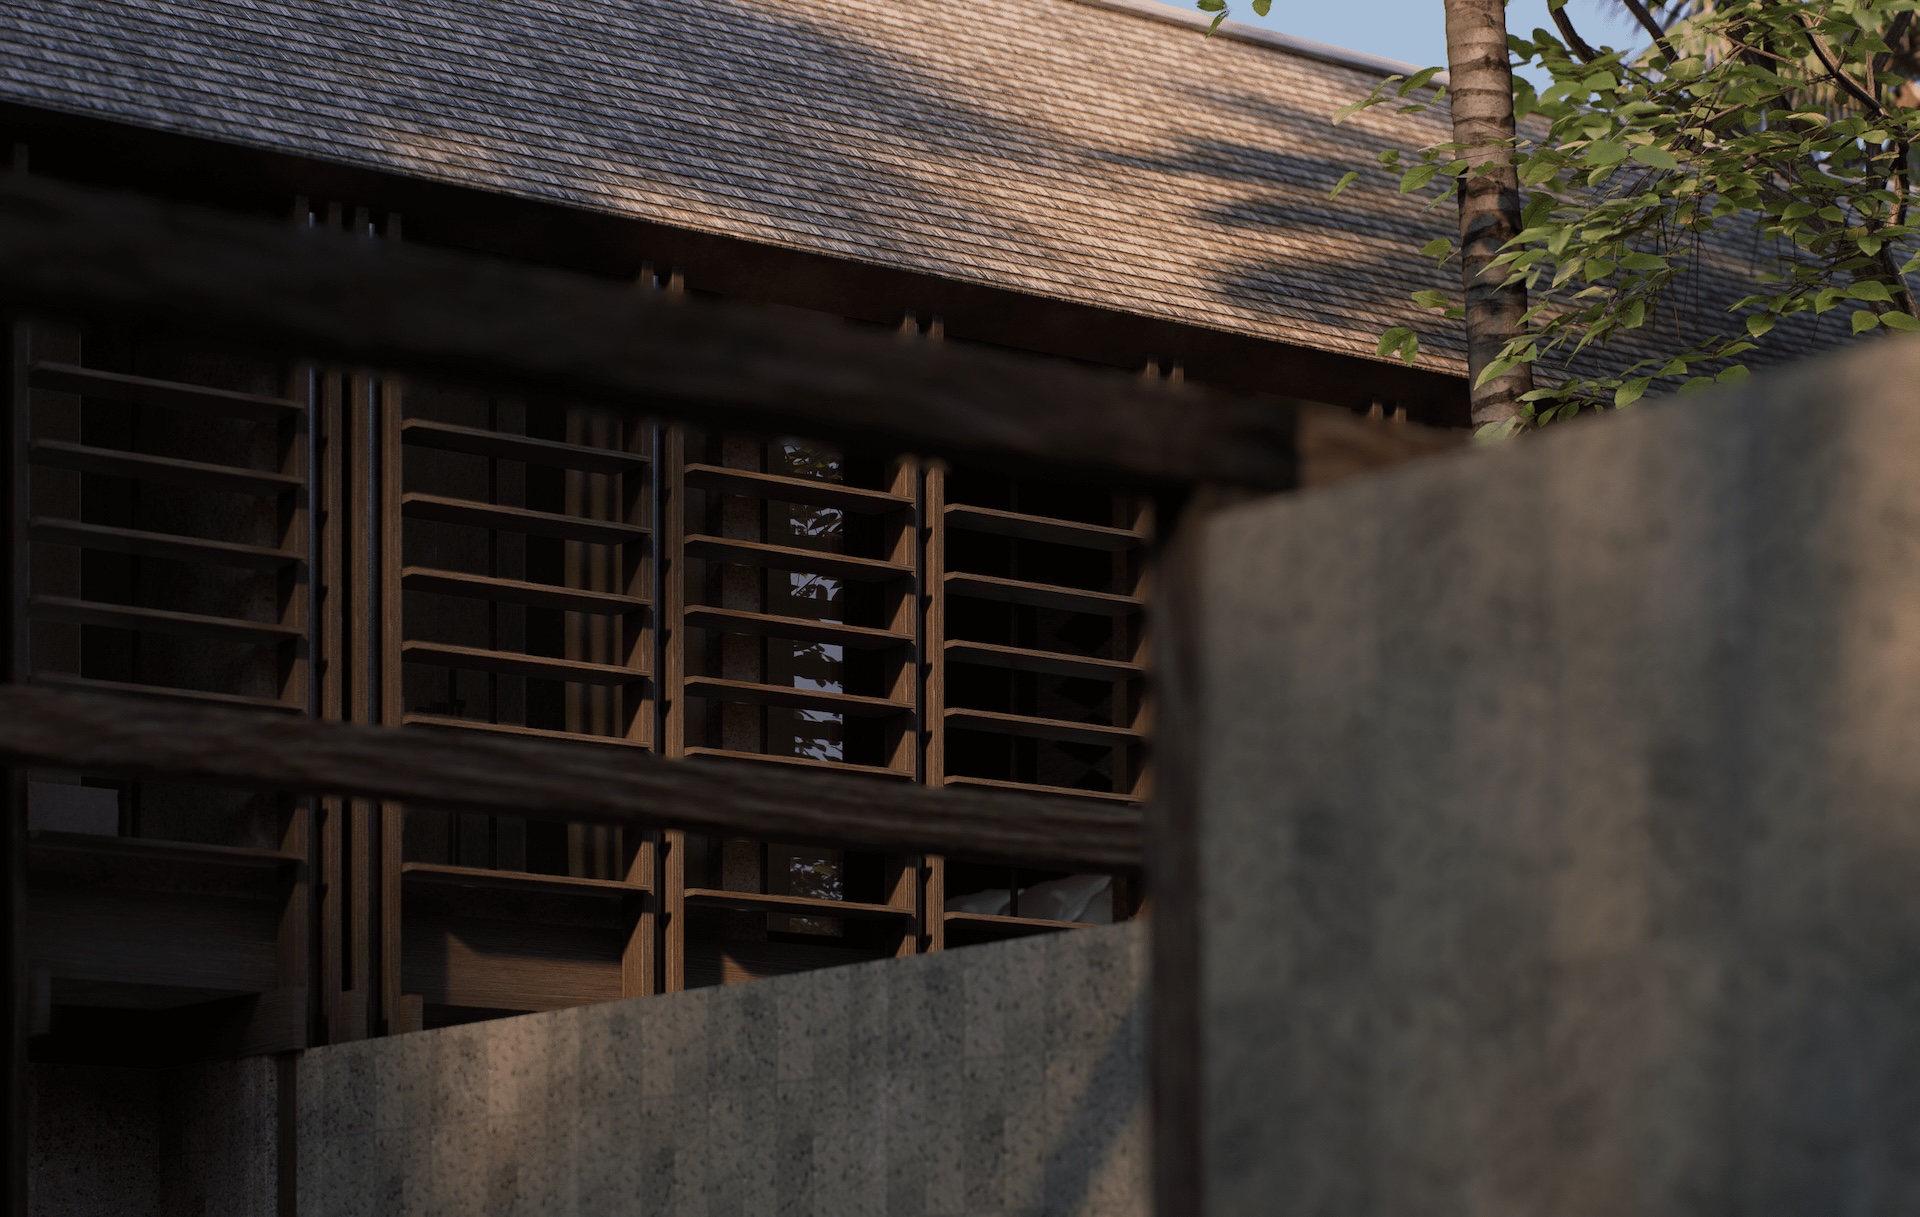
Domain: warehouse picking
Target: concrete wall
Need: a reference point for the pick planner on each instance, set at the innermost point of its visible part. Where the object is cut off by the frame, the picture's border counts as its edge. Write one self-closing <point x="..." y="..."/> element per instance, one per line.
<point x="998" y="1080"/>
<point x="1562" y="827"/>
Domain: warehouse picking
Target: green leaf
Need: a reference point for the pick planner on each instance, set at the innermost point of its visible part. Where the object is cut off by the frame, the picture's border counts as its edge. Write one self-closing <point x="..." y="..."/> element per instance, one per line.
<point x="1417" y="80"/>
<point x="1760" y="323"/>
<point x="1539" y="169"/>
<point x="1399" y="341"/>
<point x="1643" y="261"/>
<point x="1417" y="177"/>
<point x="1656" y="156"/>
<point x="1215" y="23"/>
<point x="1872" y="291"/>
<point x="1428" y="298"/>
<point x="1900" y="321"/>
<point x="1211" y="6"/>
<point x="1346" y="179"/>
<point x="1831" y="213"/>
<point x="1605" y="152"/>
<point x="1631" y="392"/>
<point x="1796" y="210"/>
<point x="1497" y="369"/>
<point x="1733" y="375"/>
<point x="1600" y="82"/>
<point x="1597" y="269"/>
<point x="1863" y="320"/>
<point x="1262" y="7"/>
<point x="1439" y="247"/>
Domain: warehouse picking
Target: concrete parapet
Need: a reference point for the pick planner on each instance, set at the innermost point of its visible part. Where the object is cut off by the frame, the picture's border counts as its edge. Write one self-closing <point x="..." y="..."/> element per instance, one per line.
<point x="999" y="1080"/>
<point x="1560" y="820"/>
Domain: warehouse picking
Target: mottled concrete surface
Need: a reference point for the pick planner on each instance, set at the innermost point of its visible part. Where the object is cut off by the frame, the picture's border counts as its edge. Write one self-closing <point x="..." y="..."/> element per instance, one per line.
<point x="996" y="1080"/>
<point x="192" y="1141"/>
<point x="1562" y="825"/>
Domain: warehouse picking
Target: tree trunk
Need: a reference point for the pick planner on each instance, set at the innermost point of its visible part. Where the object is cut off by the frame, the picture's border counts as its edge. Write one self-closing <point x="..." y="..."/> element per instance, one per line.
<point x="1482" y="92"/>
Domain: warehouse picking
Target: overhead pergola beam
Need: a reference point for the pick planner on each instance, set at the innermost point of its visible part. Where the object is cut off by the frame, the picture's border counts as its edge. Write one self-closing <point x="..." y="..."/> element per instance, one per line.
<point x="553" y="780"/>
<point x="80" y="254"/>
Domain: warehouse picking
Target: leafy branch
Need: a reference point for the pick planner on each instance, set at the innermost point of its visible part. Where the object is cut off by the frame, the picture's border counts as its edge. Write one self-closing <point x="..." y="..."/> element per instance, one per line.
<point x="1771" y="123"/>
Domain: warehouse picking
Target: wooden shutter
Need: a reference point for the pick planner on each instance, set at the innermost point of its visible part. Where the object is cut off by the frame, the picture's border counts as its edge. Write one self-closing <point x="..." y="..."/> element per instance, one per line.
<point x="167" y="556"/>
<point x="792" y="592"/>
<point x="1036" y="673"/>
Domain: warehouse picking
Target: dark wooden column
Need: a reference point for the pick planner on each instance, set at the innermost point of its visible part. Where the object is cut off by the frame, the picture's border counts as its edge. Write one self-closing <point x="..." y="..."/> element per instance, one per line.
<point x="13" y="617"/>
<point x="1173" y="869"/>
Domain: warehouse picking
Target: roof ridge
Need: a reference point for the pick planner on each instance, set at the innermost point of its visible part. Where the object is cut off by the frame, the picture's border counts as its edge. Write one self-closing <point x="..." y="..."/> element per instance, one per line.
<point x="1240" y="31"/>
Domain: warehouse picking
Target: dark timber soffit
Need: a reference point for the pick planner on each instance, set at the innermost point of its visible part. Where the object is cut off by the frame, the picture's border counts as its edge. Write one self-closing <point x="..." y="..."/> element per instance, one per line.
<point x="553" y="780"/>
<point x="78" y="254"/>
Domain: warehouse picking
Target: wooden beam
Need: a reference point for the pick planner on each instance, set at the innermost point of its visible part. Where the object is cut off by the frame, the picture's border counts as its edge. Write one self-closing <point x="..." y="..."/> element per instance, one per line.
<point x="554" y="780"/>
<point x="77" y="253"/>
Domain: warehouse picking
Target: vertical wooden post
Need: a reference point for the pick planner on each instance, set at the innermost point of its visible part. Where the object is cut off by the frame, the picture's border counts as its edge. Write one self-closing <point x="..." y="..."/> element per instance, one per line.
<point x="360" y="856"/>
<point x="329" y="487"/>
<point x="397" y="1012"/>
<point x="1173" y="866"/>
<point x="933" y="699"/>
<point x="293" y="960"/>
<point x="670" y="707"/>
<point x="13" y="614"/>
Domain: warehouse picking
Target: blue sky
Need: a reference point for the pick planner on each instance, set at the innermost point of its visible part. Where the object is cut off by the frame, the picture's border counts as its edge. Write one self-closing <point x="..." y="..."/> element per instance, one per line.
<point x="1415" y="30"/>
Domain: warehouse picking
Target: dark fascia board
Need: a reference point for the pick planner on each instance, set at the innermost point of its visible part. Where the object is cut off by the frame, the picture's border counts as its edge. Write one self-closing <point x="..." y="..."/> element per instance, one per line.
<point x="94" y="151"/>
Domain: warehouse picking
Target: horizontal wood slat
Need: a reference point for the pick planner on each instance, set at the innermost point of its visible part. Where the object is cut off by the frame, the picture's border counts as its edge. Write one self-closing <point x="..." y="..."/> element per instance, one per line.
<point x="803" y="762"/>
<point x="233" y="856"/>
<point x="1042" y="595"/>
<point x="787" y="557"/>
<point x="159" y="545"/>
<point x="475" y="441"/>
<point x="1033" y="727"/>
<point x="815" y="492"/>
<point x="437" y="721"/>
<point x="1042" y="528"/>
<point x="517" y="591"/>
<point x="551" y="780"/>
<point x="799" y="629"/>
<point x="794" y="699"/>
<point x="513" y="663"/>
<point x="418" y="506"/>
<point x="518" y="881"/>
<point x="68" y="680"/>
<point x="1052" y="663"/>
<point x="160" y="621"/>
<point x="58" y="454"/>
<point x="75" y="252"/>
<point x="1027" y="925"/>
<point x="145" y="391"/>
<point x="1071" y="792"/>
<point x="760" y="902"/>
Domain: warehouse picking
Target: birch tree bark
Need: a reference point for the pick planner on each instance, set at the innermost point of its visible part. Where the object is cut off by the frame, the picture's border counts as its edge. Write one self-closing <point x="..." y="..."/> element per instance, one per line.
<point x="1482" y="92"/>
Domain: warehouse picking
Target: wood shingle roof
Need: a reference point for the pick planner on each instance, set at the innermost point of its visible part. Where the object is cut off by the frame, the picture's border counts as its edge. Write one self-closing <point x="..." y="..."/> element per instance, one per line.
<point x="1078" y="151"/>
